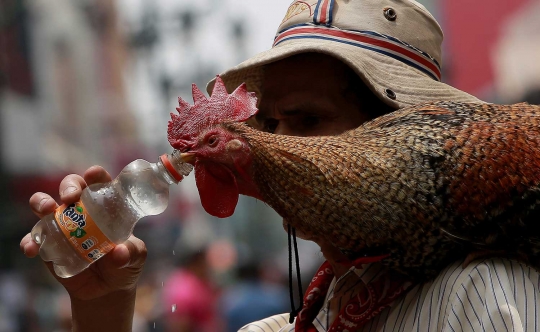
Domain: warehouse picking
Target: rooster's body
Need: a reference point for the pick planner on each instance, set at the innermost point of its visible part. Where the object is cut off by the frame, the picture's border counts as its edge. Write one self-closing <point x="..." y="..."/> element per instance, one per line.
<point x="422" y="185"/>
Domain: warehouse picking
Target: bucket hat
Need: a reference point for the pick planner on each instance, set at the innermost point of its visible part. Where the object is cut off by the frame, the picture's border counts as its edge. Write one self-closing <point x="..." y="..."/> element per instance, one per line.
<point x="393" y="45"/>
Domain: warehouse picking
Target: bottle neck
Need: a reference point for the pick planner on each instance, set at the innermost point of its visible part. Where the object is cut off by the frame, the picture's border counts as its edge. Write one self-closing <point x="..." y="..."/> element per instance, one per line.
<point x="172" y="167"/>
<point x="160" y="169"/>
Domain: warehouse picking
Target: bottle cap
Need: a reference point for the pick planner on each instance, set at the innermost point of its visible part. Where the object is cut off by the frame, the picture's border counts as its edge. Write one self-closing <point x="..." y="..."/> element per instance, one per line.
<point x="167" y="163"/>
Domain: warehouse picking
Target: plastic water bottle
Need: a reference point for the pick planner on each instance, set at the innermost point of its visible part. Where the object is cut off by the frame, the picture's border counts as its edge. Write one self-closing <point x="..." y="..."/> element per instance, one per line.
<point x="75" y="236"/>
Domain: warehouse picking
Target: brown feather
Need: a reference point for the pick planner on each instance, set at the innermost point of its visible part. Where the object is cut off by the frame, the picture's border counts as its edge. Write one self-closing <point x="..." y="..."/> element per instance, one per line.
<point x="401" y="183"/>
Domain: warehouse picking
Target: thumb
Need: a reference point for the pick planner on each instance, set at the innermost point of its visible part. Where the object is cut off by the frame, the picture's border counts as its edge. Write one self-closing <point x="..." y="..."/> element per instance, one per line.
<point x="131" y="253"/>
<point x="120" y="256"/>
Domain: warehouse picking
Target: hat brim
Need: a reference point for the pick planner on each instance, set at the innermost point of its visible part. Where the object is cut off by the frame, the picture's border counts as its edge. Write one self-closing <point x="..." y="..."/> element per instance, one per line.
<point x="379" y="72"/>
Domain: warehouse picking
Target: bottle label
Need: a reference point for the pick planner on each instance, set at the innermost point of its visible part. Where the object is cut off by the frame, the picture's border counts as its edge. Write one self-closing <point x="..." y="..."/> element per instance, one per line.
<point x="82" y="232"/>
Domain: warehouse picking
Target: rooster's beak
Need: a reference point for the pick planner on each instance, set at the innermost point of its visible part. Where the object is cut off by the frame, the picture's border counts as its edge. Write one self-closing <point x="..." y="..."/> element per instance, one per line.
<point x="188" y="157"/>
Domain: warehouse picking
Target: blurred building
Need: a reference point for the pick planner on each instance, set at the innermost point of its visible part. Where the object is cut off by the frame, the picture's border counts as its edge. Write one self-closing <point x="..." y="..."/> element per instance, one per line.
<point x="491" y="47"/>
<point x="70" y="111"/>
<point x="515" y="56"/>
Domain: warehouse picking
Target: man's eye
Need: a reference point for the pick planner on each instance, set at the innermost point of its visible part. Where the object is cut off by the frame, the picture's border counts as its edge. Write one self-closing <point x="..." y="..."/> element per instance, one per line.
<point x="270" y="125"/>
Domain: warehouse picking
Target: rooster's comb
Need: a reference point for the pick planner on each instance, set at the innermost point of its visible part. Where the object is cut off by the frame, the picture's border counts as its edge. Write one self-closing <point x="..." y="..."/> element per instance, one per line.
<point x="206" y="112"/>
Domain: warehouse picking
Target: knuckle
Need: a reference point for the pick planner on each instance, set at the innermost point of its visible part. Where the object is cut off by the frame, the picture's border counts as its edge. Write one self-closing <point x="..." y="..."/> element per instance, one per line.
<point x="141" y="248"/>
<point x="137" y="250"/>
<point x="144" y="251"/>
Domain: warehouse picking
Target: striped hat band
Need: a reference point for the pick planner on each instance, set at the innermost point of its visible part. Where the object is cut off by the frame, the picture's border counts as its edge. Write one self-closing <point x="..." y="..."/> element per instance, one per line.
<point x="368" y="40"/>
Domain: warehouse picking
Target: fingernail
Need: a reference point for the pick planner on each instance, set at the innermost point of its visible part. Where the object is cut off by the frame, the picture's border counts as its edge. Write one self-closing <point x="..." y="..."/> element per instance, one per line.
<point x="68" y="190"/>
<point x="42" y="202"/>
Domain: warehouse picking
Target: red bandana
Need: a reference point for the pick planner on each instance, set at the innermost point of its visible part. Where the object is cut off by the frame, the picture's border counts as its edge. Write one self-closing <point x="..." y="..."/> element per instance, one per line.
<point x="369" y="302"/>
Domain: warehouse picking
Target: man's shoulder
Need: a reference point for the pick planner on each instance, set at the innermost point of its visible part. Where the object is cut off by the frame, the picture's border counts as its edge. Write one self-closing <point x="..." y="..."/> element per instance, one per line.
<point x="469" y="298"/>
<point x="484" y="268"/>
<point x="271" y="324"/>
<point x="483" y="276"/>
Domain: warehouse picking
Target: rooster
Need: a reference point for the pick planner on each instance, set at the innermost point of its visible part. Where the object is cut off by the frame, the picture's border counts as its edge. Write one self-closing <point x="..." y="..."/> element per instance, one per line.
<point x="418" y="187"/>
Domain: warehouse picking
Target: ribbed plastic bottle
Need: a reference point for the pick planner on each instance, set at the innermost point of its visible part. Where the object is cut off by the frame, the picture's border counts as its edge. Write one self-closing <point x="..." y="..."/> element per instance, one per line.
<point x="75" y="236"/>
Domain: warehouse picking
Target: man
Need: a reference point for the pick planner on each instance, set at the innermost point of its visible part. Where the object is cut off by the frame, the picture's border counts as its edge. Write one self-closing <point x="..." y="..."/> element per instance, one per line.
<point x="334" y="65"/>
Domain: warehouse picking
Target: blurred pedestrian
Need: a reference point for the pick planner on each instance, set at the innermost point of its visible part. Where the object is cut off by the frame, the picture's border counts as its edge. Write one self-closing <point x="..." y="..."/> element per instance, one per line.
<point x="259" y="292"/>
<point x="190" y="296"/>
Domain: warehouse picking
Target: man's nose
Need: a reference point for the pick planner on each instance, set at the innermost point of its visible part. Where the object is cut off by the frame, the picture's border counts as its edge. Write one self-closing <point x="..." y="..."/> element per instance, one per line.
<point x="283" y="128"/>
<point x="280" y="130"/>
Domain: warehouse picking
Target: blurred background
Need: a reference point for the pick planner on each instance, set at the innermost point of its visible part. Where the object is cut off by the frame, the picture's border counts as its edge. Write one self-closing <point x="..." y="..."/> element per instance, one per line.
<point x="86" y="82"/>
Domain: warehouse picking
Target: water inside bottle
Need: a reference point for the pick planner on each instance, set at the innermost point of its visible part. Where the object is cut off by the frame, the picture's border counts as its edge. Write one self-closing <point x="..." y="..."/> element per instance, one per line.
<point x="146" y="194"/>
<point x="138" y="191"/>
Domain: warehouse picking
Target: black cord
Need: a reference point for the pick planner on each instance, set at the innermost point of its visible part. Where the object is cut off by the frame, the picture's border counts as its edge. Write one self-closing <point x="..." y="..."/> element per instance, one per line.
<point x="294" y="311"/>
<point x="298" y="277"/>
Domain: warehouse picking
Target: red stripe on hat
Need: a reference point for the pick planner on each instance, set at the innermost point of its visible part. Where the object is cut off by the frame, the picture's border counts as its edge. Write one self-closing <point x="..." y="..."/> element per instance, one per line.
<point x="322" y="12"/>
<point x="366" y="39"/>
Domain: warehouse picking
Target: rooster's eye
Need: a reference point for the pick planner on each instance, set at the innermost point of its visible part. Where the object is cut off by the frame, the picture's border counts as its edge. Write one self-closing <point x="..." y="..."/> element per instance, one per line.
<point x="212" y="141"/>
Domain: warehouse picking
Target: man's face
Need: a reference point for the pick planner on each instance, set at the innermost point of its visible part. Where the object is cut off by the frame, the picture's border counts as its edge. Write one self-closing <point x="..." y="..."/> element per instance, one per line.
<point x="308" y="95"/>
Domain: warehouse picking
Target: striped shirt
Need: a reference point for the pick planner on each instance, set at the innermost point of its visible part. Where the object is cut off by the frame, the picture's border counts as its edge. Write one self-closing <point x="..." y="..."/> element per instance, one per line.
<point x="493" y="294"/>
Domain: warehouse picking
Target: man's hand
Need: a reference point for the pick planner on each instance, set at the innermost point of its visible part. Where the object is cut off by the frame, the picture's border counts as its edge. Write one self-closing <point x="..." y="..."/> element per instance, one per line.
<point x="108" y="285"/>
